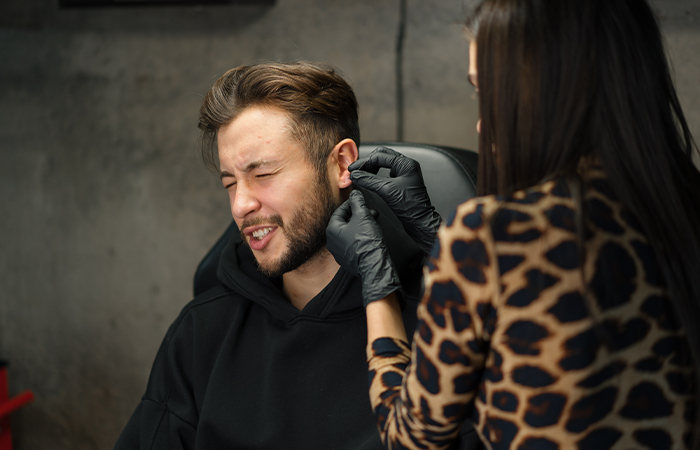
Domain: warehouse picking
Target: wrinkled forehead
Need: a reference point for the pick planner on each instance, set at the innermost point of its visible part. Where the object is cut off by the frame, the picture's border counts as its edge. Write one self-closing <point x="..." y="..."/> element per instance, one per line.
<point x="258" y="135"/>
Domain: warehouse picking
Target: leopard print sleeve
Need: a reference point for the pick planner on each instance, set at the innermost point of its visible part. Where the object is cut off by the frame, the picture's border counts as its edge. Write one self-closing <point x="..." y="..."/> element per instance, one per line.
<point x="534" y="349"/>
<point x="451" y="342"/>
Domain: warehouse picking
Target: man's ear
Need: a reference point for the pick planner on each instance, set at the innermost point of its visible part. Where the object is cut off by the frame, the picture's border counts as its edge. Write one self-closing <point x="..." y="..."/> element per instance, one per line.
<point x="344" y="153"/>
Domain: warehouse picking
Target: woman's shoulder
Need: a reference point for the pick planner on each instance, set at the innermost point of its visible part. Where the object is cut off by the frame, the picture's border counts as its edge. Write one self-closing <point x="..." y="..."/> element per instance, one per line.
<point x="519" y="217"/>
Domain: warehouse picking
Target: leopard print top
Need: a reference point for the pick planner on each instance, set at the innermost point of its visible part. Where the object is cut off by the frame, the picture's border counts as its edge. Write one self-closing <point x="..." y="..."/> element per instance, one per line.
<point x="509" y="338"/>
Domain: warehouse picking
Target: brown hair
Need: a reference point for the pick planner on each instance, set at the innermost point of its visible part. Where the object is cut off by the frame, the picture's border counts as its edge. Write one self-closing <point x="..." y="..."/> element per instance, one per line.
<point x="321" y="105"/>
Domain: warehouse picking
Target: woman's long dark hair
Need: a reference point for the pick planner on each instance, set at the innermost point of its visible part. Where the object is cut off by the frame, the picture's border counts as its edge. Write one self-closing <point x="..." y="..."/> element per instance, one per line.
<point x="564" y="79"/>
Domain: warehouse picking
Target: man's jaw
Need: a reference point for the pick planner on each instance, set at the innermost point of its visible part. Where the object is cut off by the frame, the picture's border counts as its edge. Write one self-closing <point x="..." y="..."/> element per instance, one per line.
<point x="259" y="236"/>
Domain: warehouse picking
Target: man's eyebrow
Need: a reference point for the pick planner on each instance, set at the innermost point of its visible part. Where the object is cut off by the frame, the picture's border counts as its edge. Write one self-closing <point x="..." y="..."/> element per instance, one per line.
<point x="250" y="167"/>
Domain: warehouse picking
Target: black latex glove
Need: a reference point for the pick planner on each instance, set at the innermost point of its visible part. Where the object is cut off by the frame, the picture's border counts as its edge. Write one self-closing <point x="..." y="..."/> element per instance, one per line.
<point x="355" y="241"/>
<point x="404" y="192"/>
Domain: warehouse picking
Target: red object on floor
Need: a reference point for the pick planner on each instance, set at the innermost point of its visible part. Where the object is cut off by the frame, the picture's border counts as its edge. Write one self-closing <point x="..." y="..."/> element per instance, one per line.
<point x="7" y="405"/>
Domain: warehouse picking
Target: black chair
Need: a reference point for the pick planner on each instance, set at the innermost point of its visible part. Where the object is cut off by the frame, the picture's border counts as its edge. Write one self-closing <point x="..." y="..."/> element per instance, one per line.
<point x="449" y="174"/>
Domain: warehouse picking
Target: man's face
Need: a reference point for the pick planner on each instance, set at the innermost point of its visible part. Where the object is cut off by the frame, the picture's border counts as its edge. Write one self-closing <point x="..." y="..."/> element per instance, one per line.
<point x="280" y="203"/>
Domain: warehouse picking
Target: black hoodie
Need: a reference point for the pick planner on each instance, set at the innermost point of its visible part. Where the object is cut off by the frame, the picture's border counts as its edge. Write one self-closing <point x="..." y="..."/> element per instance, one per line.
<point x="241" y="368"/>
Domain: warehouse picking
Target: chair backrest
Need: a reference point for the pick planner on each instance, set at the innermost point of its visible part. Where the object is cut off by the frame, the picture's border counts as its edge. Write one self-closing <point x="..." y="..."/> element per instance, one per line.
<point x="449" y="174"/>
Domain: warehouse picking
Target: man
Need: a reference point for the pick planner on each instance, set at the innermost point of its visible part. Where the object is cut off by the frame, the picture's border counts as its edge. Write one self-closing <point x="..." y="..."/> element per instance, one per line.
<point x="274" y="357"/>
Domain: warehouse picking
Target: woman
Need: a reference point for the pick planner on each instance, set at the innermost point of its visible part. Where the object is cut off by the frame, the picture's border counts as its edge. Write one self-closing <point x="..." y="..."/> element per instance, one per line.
<point x="561" y="307"/>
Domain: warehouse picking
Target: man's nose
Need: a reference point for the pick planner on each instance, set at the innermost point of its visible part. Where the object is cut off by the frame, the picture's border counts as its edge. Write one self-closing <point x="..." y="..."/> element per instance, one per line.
<point x="243" y="201"/>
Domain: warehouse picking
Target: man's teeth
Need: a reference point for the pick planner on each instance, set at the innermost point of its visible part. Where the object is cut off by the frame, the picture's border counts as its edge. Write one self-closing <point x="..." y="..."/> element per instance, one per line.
<point x="261" y="233"/>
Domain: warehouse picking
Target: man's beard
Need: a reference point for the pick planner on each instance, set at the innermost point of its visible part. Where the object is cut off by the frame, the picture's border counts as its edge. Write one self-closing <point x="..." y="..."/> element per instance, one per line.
<point x="305" y="232"/>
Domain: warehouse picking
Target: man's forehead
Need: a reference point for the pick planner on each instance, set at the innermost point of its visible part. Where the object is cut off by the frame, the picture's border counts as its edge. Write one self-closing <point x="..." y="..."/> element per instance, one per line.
<point x="271" y="119"/>
<point x="258" y="136"/>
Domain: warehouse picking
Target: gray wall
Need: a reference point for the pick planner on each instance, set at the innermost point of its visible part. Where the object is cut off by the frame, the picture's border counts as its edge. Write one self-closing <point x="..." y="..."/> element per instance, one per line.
<point x="105" y="207"/>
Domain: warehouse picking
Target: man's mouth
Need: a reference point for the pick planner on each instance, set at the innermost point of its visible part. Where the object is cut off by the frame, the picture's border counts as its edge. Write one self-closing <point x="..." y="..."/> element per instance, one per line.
<point x="261" y="233"/>
<point x="259" y="237"/>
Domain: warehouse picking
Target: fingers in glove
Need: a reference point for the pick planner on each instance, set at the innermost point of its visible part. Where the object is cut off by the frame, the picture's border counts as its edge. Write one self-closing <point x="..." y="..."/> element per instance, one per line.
<point x="341" y="216"/>
<point x="357" y="202"/>
<point x="378" y="158"/>
<point x="369" y="181"/>
<point x="399" y="165"/>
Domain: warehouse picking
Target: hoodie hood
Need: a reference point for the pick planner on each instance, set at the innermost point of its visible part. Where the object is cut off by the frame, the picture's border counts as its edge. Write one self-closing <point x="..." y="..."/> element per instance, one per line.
<point x="238" y="271"/>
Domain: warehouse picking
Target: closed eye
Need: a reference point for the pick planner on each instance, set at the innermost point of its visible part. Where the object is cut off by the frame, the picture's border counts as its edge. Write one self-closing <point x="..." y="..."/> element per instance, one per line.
<point x="226" y="186"/>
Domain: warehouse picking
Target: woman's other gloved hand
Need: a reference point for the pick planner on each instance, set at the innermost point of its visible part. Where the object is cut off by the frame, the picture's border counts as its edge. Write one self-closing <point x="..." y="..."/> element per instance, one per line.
<point x="356" y="242"/>
<point x="404" y="192"/>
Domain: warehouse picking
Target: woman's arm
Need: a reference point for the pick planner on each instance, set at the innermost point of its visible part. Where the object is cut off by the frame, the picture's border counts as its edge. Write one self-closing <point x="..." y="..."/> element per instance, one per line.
<point x="422" y="394"/>
<point x="384" y="319"/>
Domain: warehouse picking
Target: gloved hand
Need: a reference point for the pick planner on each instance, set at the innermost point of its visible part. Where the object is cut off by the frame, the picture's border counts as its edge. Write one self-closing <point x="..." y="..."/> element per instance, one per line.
<point x="404" y="192"/>
<point x="355" y="241"/>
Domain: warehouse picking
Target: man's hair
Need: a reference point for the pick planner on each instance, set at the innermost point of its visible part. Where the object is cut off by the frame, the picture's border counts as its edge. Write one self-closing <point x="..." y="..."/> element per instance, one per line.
<point x="321" y="105"/>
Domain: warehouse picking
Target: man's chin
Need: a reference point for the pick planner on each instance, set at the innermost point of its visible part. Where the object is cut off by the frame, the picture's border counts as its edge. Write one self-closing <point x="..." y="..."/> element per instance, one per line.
<point x="287" y="263"/>
<point x="270" y="273"/>
<point x="269" y="266"/>
<point x="270" y="270"/>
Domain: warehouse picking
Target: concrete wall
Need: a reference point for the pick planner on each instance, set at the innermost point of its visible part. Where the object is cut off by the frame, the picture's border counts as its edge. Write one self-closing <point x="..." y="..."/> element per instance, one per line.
<point x="105" y="207"/>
